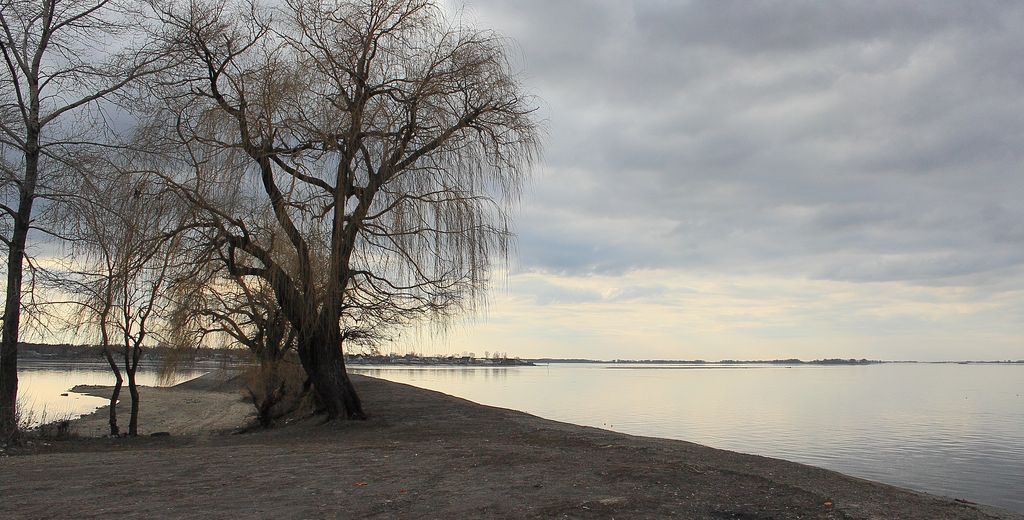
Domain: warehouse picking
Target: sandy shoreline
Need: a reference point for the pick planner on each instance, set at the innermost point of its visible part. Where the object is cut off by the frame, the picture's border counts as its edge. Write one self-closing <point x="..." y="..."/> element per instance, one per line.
<point x="422" y="454"/>
<point x="200" y="407"/>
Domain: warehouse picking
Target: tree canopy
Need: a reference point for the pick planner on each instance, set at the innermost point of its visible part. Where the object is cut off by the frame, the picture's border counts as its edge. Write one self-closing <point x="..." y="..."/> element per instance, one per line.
<point x="341" y="168"/>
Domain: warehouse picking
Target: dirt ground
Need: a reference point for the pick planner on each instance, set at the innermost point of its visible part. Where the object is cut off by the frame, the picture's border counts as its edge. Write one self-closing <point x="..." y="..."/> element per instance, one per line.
<point x="425" y="455"/>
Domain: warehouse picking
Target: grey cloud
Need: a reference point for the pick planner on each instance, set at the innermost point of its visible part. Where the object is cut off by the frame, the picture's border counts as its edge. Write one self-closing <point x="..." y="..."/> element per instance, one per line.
<point x="546" y="293"/>
<point x="927" y="266"/>
<point x="861" y="141"/>
<point x="640" y="293"/>
<point x="788" y="26"/>
<point x="543" y="292"/>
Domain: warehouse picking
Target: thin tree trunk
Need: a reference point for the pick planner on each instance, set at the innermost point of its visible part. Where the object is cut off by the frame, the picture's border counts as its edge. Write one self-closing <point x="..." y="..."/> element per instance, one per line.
<point x="133" y="422"/>
<point x="12" y="303"/>
<point x="114" y="430"/>
<point x="9" y="345"/>
<point x="133" y="389"/>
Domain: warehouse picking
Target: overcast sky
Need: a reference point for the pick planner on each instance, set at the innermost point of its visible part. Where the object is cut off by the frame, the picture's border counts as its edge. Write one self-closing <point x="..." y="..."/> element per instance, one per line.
<point x="738" y="179"/>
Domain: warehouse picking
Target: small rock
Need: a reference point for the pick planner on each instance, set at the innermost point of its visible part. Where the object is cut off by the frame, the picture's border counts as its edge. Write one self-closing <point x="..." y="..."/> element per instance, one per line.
<point x="615" y="501"/>
<point x="160" y="434"/>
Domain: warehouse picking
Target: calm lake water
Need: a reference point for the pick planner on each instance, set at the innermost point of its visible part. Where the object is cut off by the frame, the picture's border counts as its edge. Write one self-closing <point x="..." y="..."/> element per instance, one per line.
<point x="955" y="430"/>
<point x="41" y="383"/>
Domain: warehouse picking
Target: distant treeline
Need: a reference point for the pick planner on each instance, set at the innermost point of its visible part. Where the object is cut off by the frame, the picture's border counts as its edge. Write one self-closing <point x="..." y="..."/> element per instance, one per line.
<point x="68" y="352"/>
<point x="792" y="361"/>
<point x="153" y="354"/>
<point x="415" y="359"/>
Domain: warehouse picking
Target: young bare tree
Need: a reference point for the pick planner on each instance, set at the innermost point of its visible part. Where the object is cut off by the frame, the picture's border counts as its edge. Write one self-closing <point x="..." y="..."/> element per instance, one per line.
<point x="385" y="142"/>
<point x="126" y="257"/>
<point x="92" y="279"/>
<point x="62" y="62"/>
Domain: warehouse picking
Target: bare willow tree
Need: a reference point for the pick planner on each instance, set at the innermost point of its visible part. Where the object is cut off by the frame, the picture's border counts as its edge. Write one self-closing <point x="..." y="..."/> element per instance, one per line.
<point x="385" y="142"/>
<point x="62" y="62"/>
<point x="240" y="311"/>
<point x="126" y="259"/>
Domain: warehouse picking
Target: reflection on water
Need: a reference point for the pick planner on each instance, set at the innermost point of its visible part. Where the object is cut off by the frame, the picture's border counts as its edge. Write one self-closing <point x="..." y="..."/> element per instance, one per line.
<point x="42" y="385"/>
<point x="955" y="430"/>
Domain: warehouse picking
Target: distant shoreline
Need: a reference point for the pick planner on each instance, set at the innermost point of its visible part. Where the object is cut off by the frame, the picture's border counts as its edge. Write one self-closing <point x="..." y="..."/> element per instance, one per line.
<point x="76" y="353"/>
<point x="770" y="362"/>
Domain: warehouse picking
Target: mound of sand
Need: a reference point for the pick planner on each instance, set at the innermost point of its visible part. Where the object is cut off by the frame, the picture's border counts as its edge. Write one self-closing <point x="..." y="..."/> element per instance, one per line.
<point x="207" y="405"/>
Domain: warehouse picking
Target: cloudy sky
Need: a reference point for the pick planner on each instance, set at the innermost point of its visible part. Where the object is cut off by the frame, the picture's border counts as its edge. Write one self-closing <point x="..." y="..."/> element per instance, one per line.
<point x="734" y="179"/>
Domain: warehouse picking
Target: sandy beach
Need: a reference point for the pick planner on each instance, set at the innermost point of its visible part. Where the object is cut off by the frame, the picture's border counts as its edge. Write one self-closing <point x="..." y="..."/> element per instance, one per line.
<point x="421" y="454"/>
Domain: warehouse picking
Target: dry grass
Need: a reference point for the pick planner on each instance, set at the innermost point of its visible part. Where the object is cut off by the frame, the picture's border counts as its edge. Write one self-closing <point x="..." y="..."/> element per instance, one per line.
<point x="39" y="424"/>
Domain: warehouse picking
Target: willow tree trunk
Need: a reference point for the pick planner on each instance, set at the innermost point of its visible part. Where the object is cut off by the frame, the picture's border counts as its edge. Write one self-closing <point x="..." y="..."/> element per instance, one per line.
<point x="12" y="303"/>
<point x="321" y="356"/>
<point x="133" y="422"/>
<point x="114" y="430"/>
<point x="133" y="389"/>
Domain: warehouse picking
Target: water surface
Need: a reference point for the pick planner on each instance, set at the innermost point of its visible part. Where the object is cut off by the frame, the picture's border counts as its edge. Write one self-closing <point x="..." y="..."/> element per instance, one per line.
<point x="954" y="430"/>
<point x="42" y="385"/>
